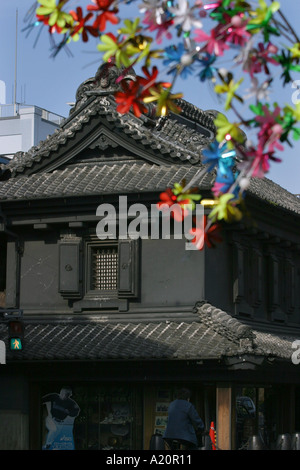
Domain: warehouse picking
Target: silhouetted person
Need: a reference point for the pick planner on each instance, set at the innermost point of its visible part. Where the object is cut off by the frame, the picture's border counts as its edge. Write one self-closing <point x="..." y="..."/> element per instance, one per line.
<point x="183" y="422"/>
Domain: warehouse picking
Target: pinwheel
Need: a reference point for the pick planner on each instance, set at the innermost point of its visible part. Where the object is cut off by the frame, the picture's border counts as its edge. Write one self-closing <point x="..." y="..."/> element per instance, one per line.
<point x="54" y="13"/>
<point x="226" y="209"/>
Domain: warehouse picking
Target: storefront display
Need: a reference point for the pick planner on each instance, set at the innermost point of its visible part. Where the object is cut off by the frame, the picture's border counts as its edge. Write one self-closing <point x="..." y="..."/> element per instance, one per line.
<point x="109" y="418"/>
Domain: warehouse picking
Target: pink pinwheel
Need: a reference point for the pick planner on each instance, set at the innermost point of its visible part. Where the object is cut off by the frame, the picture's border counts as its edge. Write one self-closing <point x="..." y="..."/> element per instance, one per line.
<point x="237" y="33"/>
<point x="259" y="161"/>
<point x="259" y="59"/>
<point x="271" y="130"/>
<point x="215" y="43"/>
<point x="161" y="28"/>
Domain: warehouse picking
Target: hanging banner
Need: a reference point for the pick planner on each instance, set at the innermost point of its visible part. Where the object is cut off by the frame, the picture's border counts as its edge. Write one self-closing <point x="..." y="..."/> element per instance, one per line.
<point x="62" y="412"/>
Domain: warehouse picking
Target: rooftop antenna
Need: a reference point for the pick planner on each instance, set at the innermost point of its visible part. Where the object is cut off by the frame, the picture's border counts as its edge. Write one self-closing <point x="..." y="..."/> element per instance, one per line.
<point x="15" y="86"/>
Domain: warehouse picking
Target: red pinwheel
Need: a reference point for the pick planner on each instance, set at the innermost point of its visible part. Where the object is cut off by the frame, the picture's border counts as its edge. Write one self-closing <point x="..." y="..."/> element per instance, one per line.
<point x="130" y="98"/>
<point x="81" y="26"/>
<point x="168" y="199"/>
<point x="208" y="234"/>
<point x="106" y="15"/>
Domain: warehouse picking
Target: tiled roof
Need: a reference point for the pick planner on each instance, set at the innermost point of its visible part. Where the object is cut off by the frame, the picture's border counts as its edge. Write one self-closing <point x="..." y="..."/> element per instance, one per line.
<point x="98" y="178"/>
<point x="209" y="334"/>
<point x="117" y="177"/>
<point x="166" y="139"/>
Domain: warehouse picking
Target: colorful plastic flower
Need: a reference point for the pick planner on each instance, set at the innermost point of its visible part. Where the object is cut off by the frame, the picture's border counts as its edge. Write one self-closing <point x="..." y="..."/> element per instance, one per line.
<point x="154" y="11"/>
<point x="227" y="131"/>
<point x="130" y="98"/>
<point x="270" y="128"/>
<point x="295" y="51"/>
<point x="162" y="28"/>
<point x="52" y="29"/>
<point x="114" y="49"/>
<point x="165" y="100"/>
<point x="215" y="43"/>
<point x="212" y="154"/>
<point x="80" y="27"/>
<point x="208" y="71"/>
<point x="236" y="31"/>
<point x="290" y="118"/>
<point x="294" y="111"/>
<point x="54" y="12"/>
<point x="260" y="91"/>
<point x="184" y="16"/>
<point x="173" y="56"/>
<point x="260" y="19"/>
<point x="229" y="87"/>
<point x="189" y="196"/>
<point x="286" y="62"/>
<point x="226" y="209"/>
<point x="208" y="235"/>
<point x="262" y="14"/>
<point x="259" y="161"/>
<point x="105" y="15"/>
<point x="224" y="182"/>
<point x="150" y="77"/>
<point x="167" y="200"/>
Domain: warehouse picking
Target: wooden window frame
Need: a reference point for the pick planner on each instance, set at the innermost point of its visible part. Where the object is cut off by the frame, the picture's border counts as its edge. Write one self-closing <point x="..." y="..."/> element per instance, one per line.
<point x="80" y="293"/>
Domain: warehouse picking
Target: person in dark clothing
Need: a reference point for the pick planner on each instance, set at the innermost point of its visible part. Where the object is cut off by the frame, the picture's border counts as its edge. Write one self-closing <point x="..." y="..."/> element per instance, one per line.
<point x="183" y="422"/>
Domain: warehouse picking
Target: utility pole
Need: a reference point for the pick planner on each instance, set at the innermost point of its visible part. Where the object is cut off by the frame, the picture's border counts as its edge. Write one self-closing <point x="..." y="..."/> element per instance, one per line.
<point x="16" y="60"/>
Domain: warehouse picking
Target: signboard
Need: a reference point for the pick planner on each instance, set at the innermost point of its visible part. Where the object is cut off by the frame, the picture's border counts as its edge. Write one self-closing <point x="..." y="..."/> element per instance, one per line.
<point x="2" y="353"/>
<point x="62" y="411"/>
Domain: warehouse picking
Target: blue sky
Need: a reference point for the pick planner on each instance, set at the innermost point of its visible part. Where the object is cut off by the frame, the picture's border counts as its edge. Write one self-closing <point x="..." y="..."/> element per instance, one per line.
<point x="52" y="83"/>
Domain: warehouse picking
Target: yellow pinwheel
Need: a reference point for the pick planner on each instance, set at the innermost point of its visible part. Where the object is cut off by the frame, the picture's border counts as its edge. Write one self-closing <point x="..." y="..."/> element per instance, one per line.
<point x="164" y="98"/>
<point x="295" y="50"/>
<point x="230" y="88"/>
<point x="227" y="131"/>
<point x="54" y="12"/>
<point x="226" y="209"/>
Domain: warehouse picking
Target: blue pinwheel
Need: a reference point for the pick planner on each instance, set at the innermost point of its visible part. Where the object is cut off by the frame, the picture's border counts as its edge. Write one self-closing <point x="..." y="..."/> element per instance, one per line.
<point x="173" y="56"/>
<point x="207" y="71"/>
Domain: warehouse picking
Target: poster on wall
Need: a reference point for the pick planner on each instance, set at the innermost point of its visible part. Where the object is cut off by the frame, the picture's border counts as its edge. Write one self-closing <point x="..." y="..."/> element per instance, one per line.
<point x="62" y="411"/>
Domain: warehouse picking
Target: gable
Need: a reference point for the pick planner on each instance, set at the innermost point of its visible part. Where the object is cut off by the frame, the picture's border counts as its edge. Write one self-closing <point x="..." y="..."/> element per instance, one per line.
<point x="95" y="125"/>
<point x="99" y="151"/>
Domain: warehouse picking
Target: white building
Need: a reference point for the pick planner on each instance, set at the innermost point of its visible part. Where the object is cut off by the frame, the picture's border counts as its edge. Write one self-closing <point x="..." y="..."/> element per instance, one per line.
<point x="23" y="126"/>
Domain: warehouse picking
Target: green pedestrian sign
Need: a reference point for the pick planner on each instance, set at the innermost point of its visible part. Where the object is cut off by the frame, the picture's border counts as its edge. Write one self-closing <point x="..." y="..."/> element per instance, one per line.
<point x="15" y="344"/>
<point x="16" y="335"/>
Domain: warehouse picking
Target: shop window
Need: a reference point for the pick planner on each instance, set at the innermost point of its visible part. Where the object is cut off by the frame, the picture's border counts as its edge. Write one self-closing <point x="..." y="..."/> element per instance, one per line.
<point x="105" y="417"/>
<point x="156" y="403"/>
<point x="259" y="414"/>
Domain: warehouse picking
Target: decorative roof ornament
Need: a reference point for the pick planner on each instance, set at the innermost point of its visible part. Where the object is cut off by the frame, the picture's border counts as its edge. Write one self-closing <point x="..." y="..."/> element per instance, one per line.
<point x="105" y="82"/>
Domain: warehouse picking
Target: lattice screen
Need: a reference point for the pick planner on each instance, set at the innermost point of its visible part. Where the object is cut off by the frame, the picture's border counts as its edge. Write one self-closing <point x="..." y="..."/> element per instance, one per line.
<point x="105" y="268"/>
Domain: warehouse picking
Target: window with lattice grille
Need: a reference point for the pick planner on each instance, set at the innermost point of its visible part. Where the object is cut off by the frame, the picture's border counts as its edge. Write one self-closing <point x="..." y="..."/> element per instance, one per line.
<point x="104" y="261"/>
<point x="98" y="274"/>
